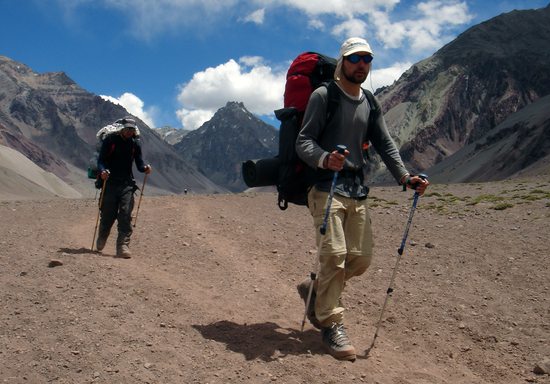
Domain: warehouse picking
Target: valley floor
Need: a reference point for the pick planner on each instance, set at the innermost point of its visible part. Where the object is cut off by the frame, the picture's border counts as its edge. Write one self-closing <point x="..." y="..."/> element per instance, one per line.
<point x="209" y="295"/>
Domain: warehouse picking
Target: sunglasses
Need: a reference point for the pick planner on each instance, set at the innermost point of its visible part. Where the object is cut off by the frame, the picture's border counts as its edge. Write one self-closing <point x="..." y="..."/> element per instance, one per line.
<point x="355" y="58"/>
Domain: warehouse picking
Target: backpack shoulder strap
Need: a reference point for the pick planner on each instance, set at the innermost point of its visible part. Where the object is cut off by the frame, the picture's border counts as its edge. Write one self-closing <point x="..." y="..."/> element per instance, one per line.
<point x="374" y="112"/>
<point x="372" y="104"/>
<point x="333" y="97"/>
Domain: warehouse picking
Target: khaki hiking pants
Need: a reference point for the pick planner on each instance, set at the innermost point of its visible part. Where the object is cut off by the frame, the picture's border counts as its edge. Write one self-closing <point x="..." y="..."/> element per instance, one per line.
<point x="346" y="250"/>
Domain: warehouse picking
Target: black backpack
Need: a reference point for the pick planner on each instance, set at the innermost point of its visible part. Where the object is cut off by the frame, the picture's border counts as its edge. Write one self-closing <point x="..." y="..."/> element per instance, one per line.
<point x="287" y="171"/>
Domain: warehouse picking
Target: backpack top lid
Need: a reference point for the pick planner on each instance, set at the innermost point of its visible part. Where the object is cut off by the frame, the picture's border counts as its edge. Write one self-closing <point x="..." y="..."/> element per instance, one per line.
<point x="307" y="72"/>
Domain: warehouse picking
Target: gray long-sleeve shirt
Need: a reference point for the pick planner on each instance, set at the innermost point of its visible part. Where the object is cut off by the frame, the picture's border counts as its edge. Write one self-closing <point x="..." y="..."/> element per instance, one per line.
<point x="348" y="126"/>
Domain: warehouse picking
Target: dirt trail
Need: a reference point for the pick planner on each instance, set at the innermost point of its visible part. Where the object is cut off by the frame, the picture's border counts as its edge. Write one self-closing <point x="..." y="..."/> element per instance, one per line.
<point x="209" y="296"/>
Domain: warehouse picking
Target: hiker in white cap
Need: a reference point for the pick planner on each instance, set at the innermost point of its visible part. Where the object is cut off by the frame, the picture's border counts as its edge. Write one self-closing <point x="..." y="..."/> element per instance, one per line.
<point x="346" y="249"/>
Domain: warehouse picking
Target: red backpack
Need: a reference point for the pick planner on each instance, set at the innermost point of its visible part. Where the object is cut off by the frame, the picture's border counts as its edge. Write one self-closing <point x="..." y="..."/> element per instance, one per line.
<point x="307" y="72"/>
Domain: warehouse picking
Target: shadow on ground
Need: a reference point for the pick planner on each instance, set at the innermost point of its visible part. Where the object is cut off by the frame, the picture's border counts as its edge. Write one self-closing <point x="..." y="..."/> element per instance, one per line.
<point x="265" y="341"/>
<point x="77" y="251"/>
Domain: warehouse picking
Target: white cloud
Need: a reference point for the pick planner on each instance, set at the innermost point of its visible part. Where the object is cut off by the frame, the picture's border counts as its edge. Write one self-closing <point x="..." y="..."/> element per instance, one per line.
<point x="338" y="8"/>
<point x="386" y="76"/>
<point x="134" y="105"/>
<point x="256" y="17"/>
<point x="428" y="27"/>
<point x="250" y="81"/>
<point x="146" y="19"/>
<point x="352" y="27"/>
<point x="316" y="24"/>
<point x="194" y="119"/>
<point x="444" y="12"/>
<point x="428" y="31"/>
<point x="251" y="61"/>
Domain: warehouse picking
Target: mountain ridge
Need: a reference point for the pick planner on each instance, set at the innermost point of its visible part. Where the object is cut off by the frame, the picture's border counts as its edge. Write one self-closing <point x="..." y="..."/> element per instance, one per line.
<point x="466" y="88"/>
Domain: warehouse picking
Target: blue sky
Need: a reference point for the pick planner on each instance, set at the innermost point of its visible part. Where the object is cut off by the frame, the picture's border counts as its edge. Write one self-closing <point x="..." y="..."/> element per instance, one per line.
<point x="175" y="62"/>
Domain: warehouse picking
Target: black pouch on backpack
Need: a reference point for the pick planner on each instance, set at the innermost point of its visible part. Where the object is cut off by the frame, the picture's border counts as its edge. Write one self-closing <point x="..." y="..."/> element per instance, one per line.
<point x="293" y="182"/>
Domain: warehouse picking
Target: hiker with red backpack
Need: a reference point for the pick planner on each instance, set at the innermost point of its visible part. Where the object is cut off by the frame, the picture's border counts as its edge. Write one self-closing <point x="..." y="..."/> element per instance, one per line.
<point x="346" y="247"/>
<point x="116" y="157"/>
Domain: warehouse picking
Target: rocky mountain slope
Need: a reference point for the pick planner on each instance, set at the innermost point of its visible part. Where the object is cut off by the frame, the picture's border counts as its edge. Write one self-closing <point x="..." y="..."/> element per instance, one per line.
<point x="220" y="145"/>
<point x="518" y="146"/>
<point x="469" y="86"/>
<point x="20" y="178"/>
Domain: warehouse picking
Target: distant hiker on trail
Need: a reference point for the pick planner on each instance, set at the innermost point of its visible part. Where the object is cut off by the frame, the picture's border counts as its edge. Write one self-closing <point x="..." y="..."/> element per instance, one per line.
<point x="118" y="152"/>
<point x="346" y="249"/>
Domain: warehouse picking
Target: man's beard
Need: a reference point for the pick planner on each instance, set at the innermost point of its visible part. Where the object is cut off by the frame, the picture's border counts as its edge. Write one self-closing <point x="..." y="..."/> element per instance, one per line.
<point x="353" y="79"/>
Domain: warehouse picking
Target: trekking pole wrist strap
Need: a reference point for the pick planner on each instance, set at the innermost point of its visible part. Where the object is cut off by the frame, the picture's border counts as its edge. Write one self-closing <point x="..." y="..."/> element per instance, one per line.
<point x="325" y="161"/>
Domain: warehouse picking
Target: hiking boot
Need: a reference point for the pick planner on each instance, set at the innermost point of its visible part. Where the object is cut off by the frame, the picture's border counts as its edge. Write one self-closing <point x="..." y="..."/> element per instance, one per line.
<point x="337" y="342"/>
<point x="100" y="243"/>
<point x="123" y="252"/>
<point x="303" y="291"/>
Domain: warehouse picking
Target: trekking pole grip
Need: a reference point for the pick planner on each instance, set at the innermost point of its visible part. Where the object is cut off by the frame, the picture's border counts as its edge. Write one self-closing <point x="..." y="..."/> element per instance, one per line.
<point x="411" y="213"/>
<point x="423" y="176"/>
<point x="341" y="149"/>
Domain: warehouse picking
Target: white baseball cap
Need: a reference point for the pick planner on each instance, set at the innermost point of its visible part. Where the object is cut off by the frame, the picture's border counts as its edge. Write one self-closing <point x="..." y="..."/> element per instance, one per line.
<point x="353" y="45"/>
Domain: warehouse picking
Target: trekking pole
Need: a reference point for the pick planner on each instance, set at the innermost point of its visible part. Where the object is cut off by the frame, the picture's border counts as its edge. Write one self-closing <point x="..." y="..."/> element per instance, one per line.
<point x="140" y="197"/>
<point x="98" y="211"/>
<point x="341" y="149"/>
<point x="400" y="253"/>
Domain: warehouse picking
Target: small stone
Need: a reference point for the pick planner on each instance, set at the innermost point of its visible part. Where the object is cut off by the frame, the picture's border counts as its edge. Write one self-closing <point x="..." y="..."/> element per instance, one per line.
<point x="542" y="368"/>
<point x="55" y="263"/>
